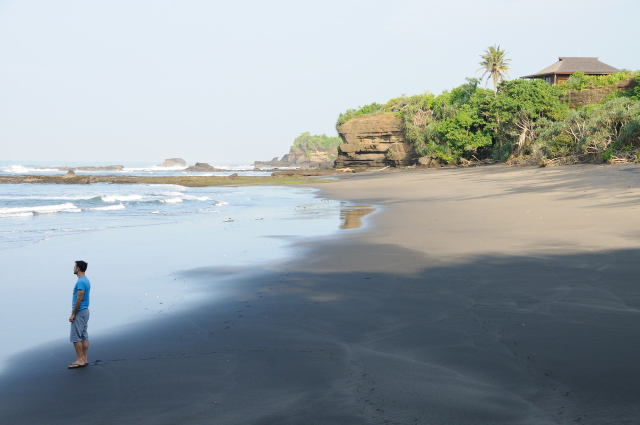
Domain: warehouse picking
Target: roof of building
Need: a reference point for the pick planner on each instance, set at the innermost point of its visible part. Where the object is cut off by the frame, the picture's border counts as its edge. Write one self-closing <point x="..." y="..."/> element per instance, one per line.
<point x="569" y="65"/>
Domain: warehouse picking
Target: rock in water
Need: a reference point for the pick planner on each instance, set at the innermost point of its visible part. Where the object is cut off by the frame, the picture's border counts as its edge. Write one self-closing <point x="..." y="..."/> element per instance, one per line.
<point x="173" y="162"/>
<point x="70" y="173"/>
<point x="201" y="166"/>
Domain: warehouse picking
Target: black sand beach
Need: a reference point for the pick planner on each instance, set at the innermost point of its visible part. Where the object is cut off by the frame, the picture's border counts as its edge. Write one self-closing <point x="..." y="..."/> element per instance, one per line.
<point x="473" y="296"/>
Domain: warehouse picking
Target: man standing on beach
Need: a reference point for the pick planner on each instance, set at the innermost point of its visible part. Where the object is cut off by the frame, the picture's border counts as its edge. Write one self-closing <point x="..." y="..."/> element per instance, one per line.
<point x="80" y="315"/>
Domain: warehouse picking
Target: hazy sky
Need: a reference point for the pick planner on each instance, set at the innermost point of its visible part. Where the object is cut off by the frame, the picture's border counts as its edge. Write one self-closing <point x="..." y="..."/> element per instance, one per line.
<point x="237" y="81"/>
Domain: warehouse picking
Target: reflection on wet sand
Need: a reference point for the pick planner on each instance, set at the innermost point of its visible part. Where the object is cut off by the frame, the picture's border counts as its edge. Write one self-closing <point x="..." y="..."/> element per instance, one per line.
<point x="351" y="215"/>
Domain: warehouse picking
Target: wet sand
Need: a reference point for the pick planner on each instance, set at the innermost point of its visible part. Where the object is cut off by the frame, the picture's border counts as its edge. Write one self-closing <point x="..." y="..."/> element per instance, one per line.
<point x="472" y="296"/>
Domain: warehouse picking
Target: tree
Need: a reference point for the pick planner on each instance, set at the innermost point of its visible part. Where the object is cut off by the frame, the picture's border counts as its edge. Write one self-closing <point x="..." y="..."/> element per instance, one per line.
<point x="495" y="64"/>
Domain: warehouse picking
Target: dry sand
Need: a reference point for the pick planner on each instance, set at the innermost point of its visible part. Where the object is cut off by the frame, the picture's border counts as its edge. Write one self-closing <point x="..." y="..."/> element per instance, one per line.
<point x="473" y="296"/>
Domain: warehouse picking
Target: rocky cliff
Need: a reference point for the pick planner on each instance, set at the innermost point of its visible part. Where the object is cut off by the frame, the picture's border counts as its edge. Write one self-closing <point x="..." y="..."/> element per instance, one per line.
<point x="597" y="94"/>
<point x="375" y="140"/>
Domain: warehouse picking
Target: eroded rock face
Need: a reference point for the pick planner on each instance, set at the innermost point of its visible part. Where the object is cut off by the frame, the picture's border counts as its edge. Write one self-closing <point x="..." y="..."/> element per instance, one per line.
<point x="598" y="94"/>
<point x="173" y="162"/>
<point x="373" y="141"/>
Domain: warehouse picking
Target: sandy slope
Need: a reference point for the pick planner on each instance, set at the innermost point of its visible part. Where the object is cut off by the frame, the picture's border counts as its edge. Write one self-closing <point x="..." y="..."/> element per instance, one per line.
<point x="474" y="296"/>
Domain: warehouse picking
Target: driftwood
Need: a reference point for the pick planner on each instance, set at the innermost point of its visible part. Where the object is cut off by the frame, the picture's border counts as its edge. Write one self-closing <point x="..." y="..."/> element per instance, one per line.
<point x="564" y="160"/>
<point x="623" y="158"/>
<point x="478" y="162"/>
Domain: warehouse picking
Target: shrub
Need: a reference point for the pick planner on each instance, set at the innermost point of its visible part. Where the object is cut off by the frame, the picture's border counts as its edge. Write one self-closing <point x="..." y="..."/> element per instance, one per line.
<point x="579" y="81"/>
<point x="309" y="143"/>
<point x="372" y="108"/>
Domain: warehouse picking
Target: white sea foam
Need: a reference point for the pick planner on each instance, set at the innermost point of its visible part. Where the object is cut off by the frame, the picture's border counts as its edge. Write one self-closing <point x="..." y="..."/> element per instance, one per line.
<point x="152" y="168"/>
<point x="121" y="198"/>
<point x="109" y="208"/>
<point x="195" y="198"/>
<point x="171" y="200"/>
<point x="21" y="169"/>
<point x="48" y="198"/>
<point x="43" y="209"/>
<point x="21" y="214"/>
<point x="14" y="168"/>
<point x="236" y="167"/>
<point x="220" y="203"/>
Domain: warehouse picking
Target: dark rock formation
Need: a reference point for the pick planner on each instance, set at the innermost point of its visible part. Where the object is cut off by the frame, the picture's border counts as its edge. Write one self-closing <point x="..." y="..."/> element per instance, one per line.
<point x="298" y="158"/>
<point x="173" y="162"/>
<point x="69" y="174"/>
<point x="374" y="141"/>
<point x="597" y="94"/>
<point x="201" y="166"/>
<point x="274" y="163"/>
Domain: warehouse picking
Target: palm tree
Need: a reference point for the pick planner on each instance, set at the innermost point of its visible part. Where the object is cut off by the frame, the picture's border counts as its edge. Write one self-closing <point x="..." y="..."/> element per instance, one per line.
<point x="495" y="64"/>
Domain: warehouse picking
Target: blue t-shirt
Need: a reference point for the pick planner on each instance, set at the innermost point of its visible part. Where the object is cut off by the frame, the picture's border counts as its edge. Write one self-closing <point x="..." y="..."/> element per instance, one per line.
<point x="82" y="284"/>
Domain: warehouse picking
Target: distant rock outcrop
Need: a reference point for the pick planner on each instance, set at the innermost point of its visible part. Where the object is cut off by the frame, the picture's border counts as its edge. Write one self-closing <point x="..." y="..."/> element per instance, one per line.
<point x="201" y="166"/>
<point x="300" y="159"/>
<point x="597" y="94"/>
<point x="307" y="151"/>
<point x="375" y="140"/>
<point x="173" y="162"/>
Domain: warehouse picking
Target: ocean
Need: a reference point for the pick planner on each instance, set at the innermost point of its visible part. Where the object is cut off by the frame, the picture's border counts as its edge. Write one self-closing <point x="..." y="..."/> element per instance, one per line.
<point x="137" y="239"/>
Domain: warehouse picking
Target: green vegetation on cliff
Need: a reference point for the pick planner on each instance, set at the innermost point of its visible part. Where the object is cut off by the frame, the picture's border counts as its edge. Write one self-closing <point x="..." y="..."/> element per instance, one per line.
<point x="320" y="142"/>
<point x="523" y="121"/>
<point x="309" y="145"/>
<point x="373" y="108"/>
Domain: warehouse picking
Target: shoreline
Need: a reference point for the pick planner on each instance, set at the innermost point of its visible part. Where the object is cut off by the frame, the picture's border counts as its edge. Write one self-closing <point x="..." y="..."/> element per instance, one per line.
<point x="134" y="256"/>
<point x="472" y="296"/>
<point x="278" y="178"/>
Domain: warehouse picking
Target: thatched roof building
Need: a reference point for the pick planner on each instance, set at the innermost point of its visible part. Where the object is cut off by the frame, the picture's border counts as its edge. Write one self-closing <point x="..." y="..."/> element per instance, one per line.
<point x="560" y="71"/>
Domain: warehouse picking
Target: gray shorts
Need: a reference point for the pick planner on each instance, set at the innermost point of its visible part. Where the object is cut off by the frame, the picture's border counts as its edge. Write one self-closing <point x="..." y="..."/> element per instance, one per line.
<point x="79" y="326"/>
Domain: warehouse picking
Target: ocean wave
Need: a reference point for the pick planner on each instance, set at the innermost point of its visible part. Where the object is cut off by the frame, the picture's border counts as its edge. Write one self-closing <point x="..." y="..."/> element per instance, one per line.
<point x="220" y="203"/>
<point x="151" y="169"/>
<point x="236" y="167"/>
<point x="43" y="209"/>
<point x="121" y="198"/>
<point x="120" y="206"/>
<point x="171" y="200"/>
<point x="21" y="214"/>
<point x="15" y="169"/>
<point x="50" y="198"/>
<point x="22" y="169"/>
<point x="195" y="198"/>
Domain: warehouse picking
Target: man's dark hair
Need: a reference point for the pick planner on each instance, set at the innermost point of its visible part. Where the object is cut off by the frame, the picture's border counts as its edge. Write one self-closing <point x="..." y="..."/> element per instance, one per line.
<point x="82" y="266"/>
